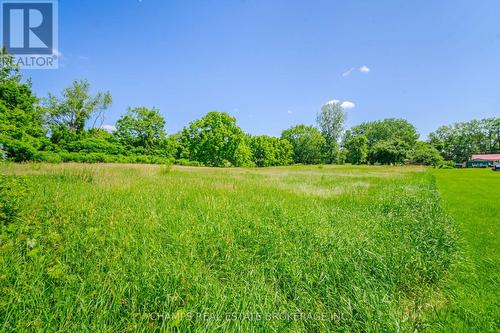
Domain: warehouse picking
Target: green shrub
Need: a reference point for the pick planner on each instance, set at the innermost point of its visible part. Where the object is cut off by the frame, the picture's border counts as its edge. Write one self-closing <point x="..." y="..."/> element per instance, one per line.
<point x="186" y="162"/>
<point x="19" y="151"/>
<point x="48" y="157"/>
<point x="95" y="145"/>
<point x="446" y="165"/>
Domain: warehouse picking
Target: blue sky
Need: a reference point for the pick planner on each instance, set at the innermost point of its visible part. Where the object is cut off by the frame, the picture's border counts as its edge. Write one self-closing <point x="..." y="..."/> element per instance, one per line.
<point x="273" y="63"/>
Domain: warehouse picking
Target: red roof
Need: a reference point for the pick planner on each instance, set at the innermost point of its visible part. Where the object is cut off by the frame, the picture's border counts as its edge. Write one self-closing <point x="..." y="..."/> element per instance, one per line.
<point x="487" y="157"/>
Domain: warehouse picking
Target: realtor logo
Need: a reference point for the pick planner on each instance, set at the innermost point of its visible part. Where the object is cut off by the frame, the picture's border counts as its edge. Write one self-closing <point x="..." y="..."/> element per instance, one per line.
<point x="29" y="32"/>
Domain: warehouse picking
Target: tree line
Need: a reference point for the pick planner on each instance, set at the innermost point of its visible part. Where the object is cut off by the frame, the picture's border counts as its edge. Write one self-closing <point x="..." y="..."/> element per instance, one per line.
<point x="68" y="127"/>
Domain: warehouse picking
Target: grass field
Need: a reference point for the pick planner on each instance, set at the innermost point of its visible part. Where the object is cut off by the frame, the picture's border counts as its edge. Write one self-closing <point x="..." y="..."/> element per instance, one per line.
<point x="472" y="197"/>
<point x="109" y="248"/>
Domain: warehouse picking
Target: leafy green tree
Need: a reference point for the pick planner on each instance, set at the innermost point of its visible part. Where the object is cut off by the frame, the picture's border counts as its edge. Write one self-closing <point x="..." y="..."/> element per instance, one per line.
<point x="68" y="115"/>
<point x="392" y="132"/>
<point x="308" y="143"/>
<point x="331" y="122"/>
<point x="21" y="125"/>
<point x="387" y="129"/>
<point x="459" y="141"/>
<point x="271" y="151"/>
<point x="424" y="153"/>
<point x="141" y="127"/>
<point x="392" y="151"/>
<point x="215" y="140"/>
<point x="357" y="148"/>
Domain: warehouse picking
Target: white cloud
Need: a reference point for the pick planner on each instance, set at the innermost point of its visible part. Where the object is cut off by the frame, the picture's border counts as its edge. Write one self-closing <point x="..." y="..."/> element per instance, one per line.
<point x="84" y="58"/>
<point x="364" y="69"/>
<point x="109" y="128"/>
<point x="347" y="105"/>
<point x="348" y="72"/>
<point x="333" y="101"/>
<point x="289" y="111"/>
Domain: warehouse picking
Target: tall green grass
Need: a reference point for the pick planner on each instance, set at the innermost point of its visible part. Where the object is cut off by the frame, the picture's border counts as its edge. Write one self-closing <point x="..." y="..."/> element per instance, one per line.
<point x="472" y="197"/>
<point x="117" y="248"/>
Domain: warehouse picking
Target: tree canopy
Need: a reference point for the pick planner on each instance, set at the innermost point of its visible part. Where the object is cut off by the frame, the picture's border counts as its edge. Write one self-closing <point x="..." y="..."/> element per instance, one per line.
<point x="308" y="143"/>
<point x="459" y="141"/>
<point x="75" y="107"/>
<point x="215" y="140"/>
<point x="331" y="122"/>
<point x="141" y="127"/>
<point x="21" y="122"/>
<point x="271" y="151"/>
<point x="68" y="128"/>
<point x="389" y="141"/>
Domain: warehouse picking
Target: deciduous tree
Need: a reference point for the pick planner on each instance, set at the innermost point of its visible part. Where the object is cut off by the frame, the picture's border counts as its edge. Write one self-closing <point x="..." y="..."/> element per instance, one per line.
<point x="215" y="140"/>
<point x="308" y="143"/>
<point x="75" y="107"/>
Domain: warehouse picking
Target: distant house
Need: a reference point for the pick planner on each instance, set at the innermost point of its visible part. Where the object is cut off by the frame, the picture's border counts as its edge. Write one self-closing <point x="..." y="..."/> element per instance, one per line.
<point x="483" y="160"/>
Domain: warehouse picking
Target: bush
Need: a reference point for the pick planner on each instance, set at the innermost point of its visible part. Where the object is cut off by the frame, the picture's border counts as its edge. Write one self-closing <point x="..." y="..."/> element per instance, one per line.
<point x="446" y="165"/>
<point x="186" y="162"/>
<point x="47" y="156"/>
<point x="424" y="153"/>
<point x="19" y="151"/>
<point x="95" y="145"/>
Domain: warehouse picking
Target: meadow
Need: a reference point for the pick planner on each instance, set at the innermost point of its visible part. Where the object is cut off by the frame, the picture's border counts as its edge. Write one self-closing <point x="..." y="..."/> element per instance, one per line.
<point x="140" y="248"/>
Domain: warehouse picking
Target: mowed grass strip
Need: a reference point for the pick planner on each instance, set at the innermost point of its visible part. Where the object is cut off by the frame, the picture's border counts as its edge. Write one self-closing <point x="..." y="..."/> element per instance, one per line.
<point x="472" y="197"/>
<point x="107" y="248"/>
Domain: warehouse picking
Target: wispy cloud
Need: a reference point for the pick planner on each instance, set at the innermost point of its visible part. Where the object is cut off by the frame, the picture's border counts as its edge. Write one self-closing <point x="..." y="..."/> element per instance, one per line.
<point x="84" y="58"/>
<point x="289" y="112"/>
<point x="364" y="69"/>
<point x="348" y="72"/>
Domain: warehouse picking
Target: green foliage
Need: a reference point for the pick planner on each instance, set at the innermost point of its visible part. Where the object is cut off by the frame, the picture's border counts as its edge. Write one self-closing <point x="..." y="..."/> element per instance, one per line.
<point x="270" y="151"/>
<point x="386" y="130"/>
<point x="389" y="152"/>
<point x="95" y="145"/>
<point x="460" y="140"/>
<point x="341" y="156"/>
<point x="48" y="157"/>
<point x="446" y="165"/>
<point x="425" y="154"/>
<point x="215" y="140"/>
<point x="389" y="141"/>
<point x="12" y="192"/>
<point x="97" y="157"/>
<point x="357" y="148"/>
<point x="3" y="153"/>
<point x="141" y="127"/>
<point x="21" y="131"/>
<point x="18" y="150"/>
<point x="73" y="121"/>
<point x="308" y="143"/>
<point x="331" y="122"/>
<point x="75" y="107"/>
